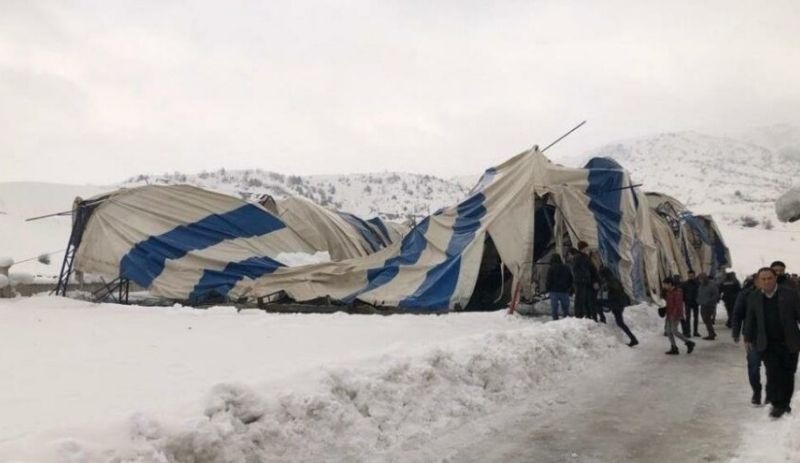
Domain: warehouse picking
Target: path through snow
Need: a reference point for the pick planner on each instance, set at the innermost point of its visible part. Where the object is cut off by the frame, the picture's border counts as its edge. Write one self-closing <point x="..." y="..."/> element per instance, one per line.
<point x="640" y="406"/>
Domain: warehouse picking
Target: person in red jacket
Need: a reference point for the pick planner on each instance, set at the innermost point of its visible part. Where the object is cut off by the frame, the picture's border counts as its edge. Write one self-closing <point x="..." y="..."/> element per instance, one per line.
<point x="674" y="315"/>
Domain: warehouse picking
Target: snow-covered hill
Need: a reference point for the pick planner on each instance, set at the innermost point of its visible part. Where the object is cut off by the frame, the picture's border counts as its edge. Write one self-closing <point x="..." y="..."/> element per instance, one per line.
<point x="394" y="196"/>
<point x="728" y="178"/>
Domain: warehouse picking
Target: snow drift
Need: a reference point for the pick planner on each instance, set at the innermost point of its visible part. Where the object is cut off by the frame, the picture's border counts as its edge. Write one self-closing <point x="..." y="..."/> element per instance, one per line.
<point x="377" y="409"/>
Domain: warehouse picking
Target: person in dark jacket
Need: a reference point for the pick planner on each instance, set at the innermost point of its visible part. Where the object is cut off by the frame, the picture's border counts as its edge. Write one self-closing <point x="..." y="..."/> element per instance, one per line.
<point x="559" y="284"/>
<point x="615" y="298"/>
<point x="753" y="355"/>
<point x="771" y="327"/>
<point x="729" y="290"/>
<point x="707" y="299"/>
<point x="689" y="288"/>
<point x="585" y="280"/>
<point x="784" y="279"/>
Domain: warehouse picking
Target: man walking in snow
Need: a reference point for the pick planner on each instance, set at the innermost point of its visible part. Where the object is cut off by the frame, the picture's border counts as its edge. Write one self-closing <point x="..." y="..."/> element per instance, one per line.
<point x="559" y="284"/>
<point x="689" y="288"/>
<point x="586" y="281"/>
<point x="729" y="290"/>
<point x="674" y="314"/>
<point x="615" y="299"/>
<point x="753" y="355"/>
<point x="771" y="327"/>
<point x="707" y="299"/>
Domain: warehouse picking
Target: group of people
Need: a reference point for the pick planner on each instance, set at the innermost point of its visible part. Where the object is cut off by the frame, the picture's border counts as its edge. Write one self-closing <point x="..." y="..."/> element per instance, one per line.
<point x="594" y="289"/>
<point x="764" y="310"/>
<point x="695" y="298"/>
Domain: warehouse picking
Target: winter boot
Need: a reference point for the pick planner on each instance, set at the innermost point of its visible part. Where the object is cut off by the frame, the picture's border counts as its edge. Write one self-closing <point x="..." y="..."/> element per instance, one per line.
<point x="634" y="342"/>
<point x="777" y="412"/>
<point x="756" y="400"/>
<point x="689" y="347"/>
<point x="673" y="351"/>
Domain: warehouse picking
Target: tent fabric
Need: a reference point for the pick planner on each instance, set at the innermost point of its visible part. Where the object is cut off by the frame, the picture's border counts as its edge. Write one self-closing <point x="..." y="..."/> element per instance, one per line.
<point x="342" y="235"/>
<point x="182" y="242"/>
<point x="436" y="265"/>
<point x="685" y="241"/>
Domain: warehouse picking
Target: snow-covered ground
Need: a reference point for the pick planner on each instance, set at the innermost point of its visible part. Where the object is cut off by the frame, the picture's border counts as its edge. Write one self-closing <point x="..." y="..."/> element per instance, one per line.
<point x="97" y="382"/>
<point x="88" y="382"/>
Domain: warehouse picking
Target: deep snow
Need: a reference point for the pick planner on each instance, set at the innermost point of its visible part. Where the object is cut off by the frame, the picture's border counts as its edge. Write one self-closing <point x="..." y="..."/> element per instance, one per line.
<point x="86" y="382"/>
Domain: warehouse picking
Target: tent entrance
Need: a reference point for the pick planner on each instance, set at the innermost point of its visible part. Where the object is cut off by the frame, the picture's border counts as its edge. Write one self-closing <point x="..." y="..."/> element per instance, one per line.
<point x="493" y="288"/>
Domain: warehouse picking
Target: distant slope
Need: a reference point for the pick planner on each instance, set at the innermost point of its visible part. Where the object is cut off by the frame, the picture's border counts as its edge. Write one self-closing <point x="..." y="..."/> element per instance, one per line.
<point x="394" y="196"/>
<point x="718" y="175"/>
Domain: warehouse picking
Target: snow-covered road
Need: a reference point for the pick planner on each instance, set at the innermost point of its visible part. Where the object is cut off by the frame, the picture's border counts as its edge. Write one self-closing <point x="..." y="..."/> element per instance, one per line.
<point x="640" y="406"/>
<point x="95" y="383"/>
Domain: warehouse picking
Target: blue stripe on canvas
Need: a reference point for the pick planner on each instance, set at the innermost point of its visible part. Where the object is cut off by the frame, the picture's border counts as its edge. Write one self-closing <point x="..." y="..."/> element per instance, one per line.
<point x="146" y="260"/>
<point x="373" y="240"/>
<point x="410" y="251"/>
<point x="220" y="282"/>
<point x="440" y="282"/>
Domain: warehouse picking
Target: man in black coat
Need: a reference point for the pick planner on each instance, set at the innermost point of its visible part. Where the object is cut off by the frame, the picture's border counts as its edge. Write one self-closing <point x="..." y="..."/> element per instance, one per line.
<point x="689" y="288"/>
<point x="559" y="285"/>
<point x="771" y="327"/>
<point x="753" y="355"/>
<point x="586" y="281"/>
<point x="729" y="290"/>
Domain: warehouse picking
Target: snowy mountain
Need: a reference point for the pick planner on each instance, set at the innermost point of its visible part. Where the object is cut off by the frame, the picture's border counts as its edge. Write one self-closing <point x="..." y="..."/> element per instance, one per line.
<point x="782" y="139"/>
<point x="394" y="196"/>
<point x="729" y="178"/>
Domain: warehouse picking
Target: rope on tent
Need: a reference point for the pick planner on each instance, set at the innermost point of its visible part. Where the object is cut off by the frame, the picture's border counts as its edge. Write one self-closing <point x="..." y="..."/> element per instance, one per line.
<point x="502" y="281"/>
<point x="39" y="256"/>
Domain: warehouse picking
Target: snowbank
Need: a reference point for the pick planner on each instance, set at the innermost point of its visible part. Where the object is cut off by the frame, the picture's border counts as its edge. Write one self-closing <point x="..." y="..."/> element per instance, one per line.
<point x="21" y="278"/>
<point x="6" y="261"/>
<point x="361" y="413"/>
<point x="297" y="259"/>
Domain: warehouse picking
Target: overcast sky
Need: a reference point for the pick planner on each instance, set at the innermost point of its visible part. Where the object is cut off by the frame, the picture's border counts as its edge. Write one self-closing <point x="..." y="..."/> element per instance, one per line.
<point x="96" y="91"/>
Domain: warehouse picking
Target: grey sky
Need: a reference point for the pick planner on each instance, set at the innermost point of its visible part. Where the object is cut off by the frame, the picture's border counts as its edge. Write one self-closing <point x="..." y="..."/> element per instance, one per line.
<point x="96" y="91"/>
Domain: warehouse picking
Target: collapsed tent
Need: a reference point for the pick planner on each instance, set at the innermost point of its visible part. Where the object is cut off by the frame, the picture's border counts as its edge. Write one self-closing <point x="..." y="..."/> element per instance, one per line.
<point x="517" y="212"/>
<point x="686" y="242"/>
<point x="342" y="235"/>
<point x="179" y="242"/>
<point x="184" y="243"/>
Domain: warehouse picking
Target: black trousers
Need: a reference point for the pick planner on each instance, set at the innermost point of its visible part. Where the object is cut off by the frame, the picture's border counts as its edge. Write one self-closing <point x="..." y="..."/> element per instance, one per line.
<point x="686" y="324"/>
<point x="781" y="367"/>
<point x="729" y="310"/>
<point x="617" y="311"/>
<point x="708" y="311"/>
<point x="583" y="301"/>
